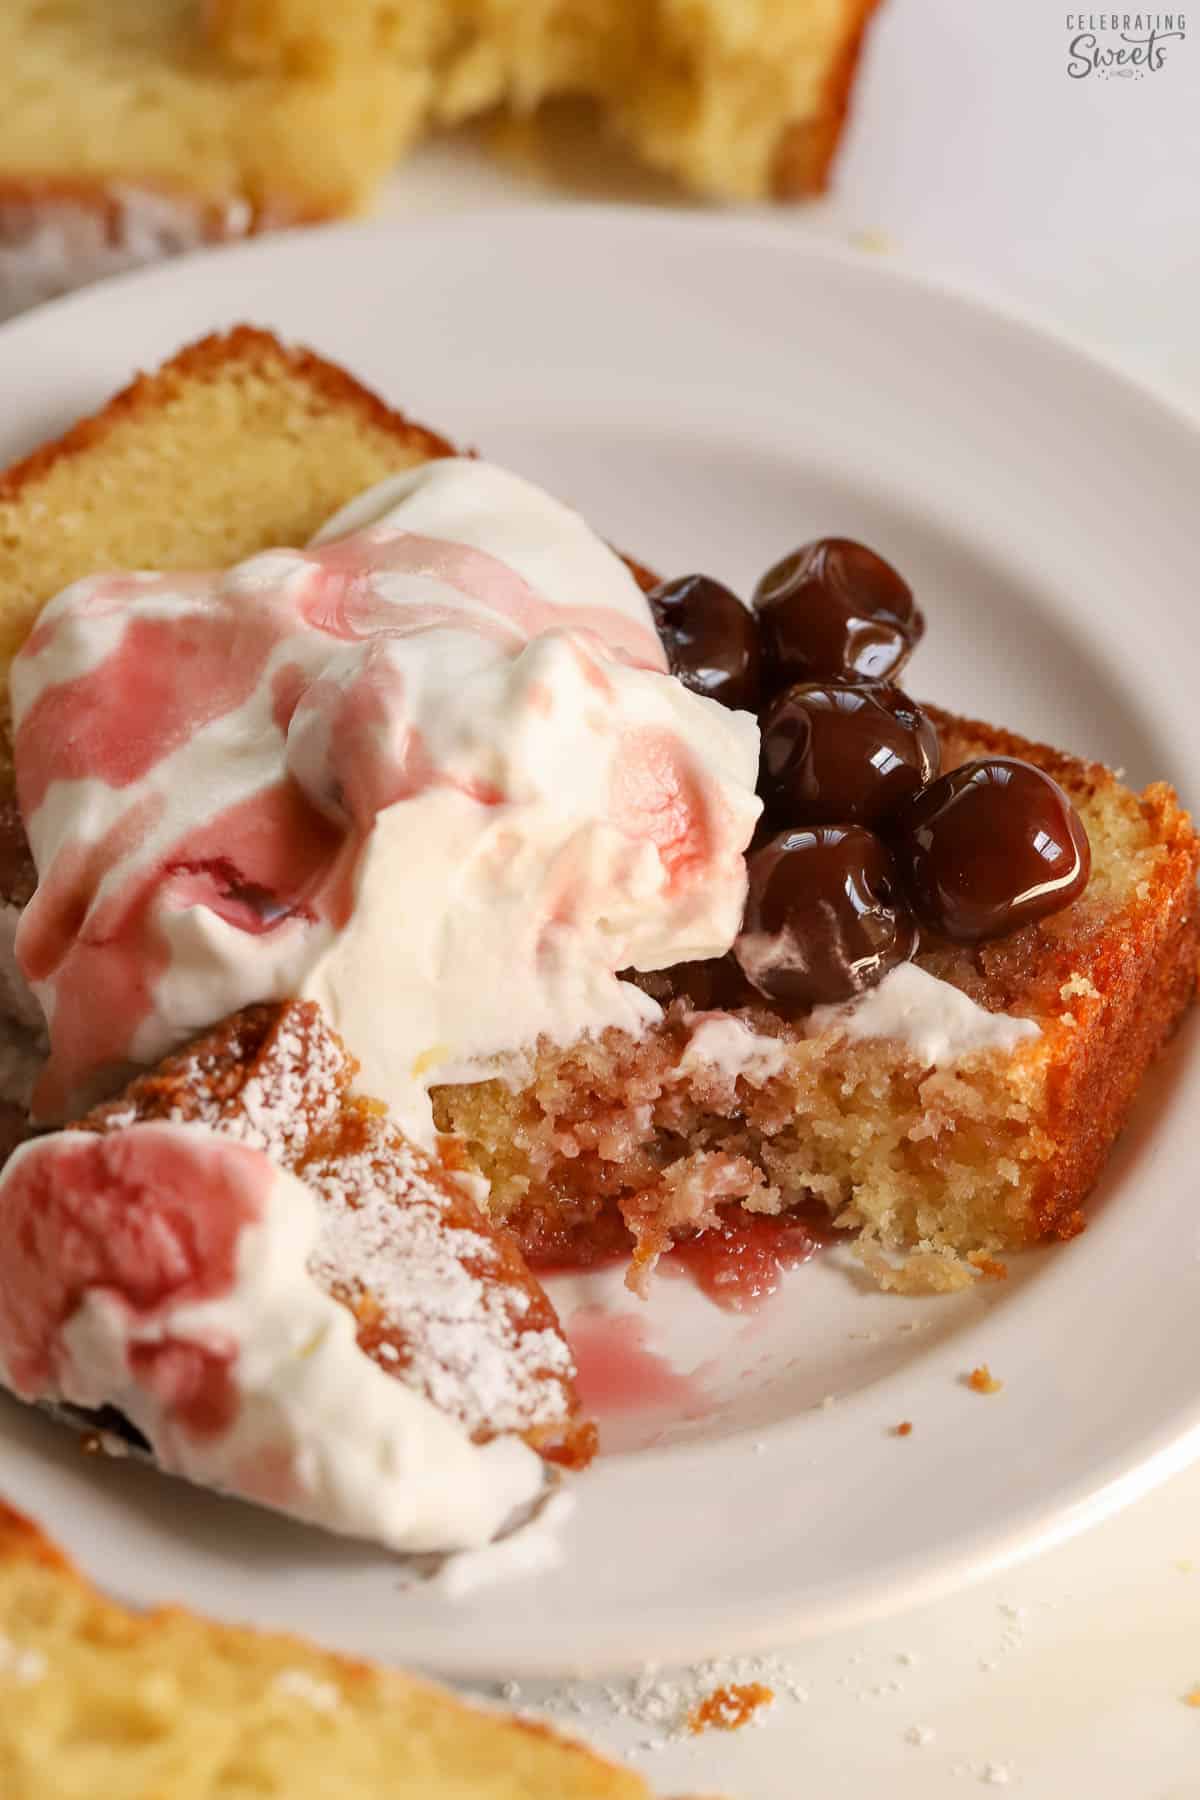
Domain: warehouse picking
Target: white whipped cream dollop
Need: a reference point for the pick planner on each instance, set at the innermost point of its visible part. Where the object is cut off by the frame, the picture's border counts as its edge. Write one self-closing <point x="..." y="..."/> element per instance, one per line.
<point x="429" y="772"/>
<point x="207" y="1330"/>
<point x="936" y="1021"/>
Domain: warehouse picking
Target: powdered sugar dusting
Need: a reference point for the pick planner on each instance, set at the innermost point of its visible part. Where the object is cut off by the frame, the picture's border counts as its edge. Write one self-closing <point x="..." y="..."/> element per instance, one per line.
<point x="465" y="1341"/>
<point x="291" y="1097"/>
<point x="438" y="1305"/>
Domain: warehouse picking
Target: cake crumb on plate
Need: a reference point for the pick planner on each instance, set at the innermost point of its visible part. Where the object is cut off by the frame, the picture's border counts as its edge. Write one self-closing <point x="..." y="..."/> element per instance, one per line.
<point x="982" y="1381"/>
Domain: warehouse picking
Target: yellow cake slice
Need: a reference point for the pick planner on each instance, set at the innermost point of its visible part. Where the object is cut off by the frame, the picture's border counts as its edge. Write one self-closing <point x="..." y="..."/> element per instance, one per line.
<point x="125" y="134"/>
<point x="99" y="1703"/>
<point x="737" y="99"/>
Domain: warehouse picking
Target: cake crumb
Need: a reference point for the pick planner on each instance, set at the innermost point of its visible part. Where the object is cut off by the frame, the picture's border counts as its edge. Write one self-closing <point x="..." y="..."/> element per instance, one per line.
<point x="903" y="1429"/>
<point x="996" y="1774"/>
<point x="988" y="1267"/>
<point x="920" y="1735"/>
<point x="1192" y="1697"/>
<point x="982" y="1381"/>
<point x="730" y="1707"/>
<point x="877" y="242"/>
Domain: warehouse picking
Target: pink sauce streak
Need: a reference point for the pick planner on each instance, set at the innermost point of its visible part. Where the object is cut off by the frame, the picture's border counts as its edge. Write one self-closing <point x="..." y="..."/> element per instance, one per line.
<point x="617" y="1370"/>
<point x="165" y="680"/>
<point x="111" y="594"/>
<point x="292" y="850"/>
<point x="142" y="1215"/>
<point x="658" y="793"/>
<point x="271" y="857"/>
<point x="740" y="1264"/>
<point x="513" y="604"/>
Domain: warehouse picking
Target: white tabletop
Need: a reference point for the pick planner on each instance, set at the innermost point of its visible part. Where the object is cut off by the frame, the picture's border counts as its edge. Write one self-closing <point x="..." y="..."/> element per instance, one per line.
<point x="974" y="154"/>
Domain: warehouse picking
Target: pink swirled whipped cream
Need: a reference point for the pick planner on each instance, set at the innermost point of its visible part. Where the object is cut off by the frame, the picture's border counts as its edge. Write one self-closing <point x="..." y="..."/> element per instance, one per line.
<point x="168" y="1271"/>
<point x="430" y="772"/>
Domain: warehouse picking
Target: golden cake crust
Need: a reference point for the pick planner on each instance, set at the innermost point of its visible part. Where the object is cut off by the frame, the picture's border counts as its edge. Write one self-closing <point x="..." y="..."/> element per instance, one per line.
<point x="1129" y="983"/>
<point x="804" y="157"/>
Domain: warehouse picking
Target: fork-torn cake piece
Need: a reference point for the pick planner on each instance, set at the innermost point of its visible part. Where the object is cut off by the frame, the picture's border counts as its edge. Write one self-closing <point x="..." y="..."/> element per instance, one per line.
<point x="283" y="1298"/>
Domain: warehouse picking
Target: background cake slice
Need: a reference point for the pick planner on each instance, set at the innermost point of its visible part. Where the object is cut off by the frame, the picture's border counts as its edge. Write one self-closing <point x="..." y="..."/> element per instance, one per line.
<point x="96" y="1700"/>
<point x="133" y="129"/>
<point x="125" y="134"/>
<point x="737" y="99"/>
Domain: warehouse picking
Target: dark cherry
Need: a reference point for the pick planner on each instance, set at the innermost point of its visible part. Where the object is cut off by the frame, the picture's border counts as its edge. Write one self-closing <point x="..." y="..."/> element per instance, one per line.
<point x="825" y="916"/>
<point x="989" y="847"/>
<point x="843" y="751"/>
<point x="834" y="611"/>
<point x="710" y="638"/>
<point x="710" y="986"/>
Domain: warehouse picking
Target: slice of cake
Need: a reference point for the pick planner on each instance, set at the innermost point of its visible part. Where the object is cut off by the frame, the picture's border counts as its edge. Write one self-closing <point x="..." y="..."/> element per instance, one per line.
<point x="944" y="1143"/>
<point x="125" y="135"/>
<point x="131" y="131"/>
<point x="95" y="1699"/>
<point x="451" y="779"/>
<point x="735" y="100"/>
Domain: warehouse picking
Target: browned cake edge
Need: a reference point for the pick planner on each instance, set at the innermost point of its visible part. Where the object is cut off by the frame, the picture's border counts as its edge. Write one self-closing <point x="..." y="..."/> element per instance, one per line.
<point x="1142" y="973"/>
<point x="210" y="359"/>
<point x="804" y="156"/>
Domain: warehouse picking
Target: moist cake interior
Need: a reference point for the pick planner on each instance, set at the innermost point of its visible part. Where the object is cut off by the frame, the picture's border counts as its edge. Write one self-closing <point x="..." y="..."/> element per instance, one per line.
<point x="625" y="1143"/>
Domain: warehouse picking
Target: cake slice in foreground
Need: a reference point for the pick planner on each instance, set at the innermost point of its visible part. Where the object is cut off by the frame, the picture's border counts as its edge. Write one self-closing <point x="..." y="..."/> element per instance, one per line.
<point x="96" y="1700"/>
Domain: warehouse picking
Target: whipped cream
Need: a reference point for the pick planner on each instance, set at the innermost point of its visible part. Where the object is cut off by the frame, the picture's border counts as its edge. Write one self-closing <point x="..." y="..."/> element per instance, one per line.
<point x="937" y="1022"/>
<point x="728" y="1047"/>
<point x="188" y="1303"/>
<point x="429" y="772"/>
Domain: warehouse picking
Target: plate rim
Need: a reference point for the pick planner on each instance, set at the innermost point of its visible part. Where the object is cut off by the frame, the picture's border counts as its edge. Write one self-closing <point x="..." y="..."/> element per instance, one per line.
<point x="1167" y="1447"/>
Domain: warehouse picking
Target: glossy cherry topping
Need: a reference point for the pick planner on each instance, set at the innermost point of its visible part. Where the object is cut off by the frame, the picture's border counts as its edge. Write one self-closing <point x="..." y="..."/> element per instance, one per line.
<point x="825" y="916"/>
<point x="834" y="610"/>
<point x="989" y="847"/>
<point x="843" y="751"/>
<point x="710" y="638"/>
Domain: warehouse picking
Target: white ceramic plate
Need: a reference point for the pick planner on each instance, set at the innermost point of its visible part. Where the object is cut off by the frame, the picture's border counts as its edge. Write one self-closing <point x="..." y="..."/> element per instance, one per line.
<point x="711" y="393"/>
